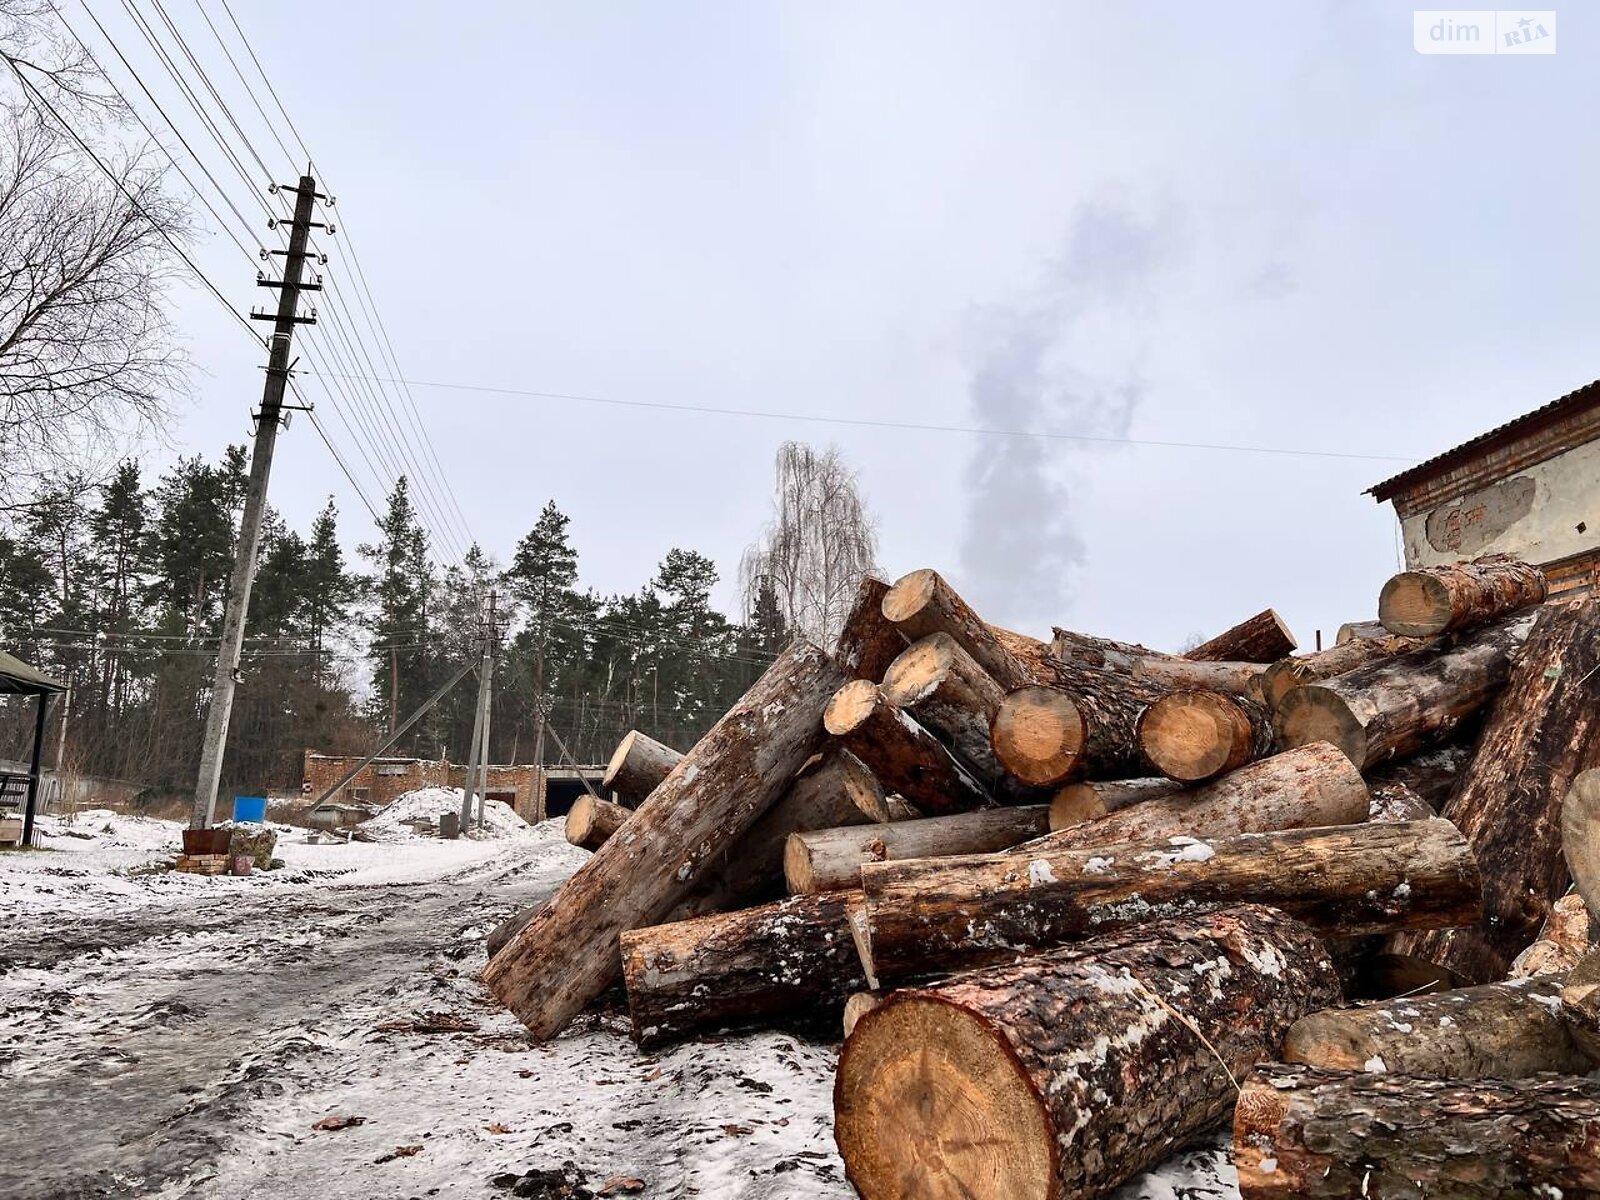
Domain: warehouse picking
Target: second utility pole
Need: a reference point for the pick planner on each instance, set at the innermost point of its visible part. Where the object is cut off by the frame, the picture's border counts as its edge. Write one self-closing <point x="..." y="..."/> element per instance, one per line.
<point x="478" y="753"/>
<point x="255" y="503"/>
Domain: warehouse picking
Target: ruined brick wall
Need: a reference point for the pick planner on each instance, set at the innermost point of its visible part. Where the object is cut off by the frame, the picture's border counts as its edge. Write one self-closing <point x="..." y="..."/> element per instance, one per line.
<point x="378" y="783"/>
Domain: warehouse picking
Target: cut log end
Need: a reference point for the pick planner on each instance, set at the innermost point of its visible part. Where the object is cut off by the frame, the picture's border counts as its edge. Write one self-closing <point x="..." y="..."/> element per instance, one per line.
<point x="586" y="825"/>
<point x="963" y="1122"/>
<point x="851" y="705"/>
<point x="619" y="757"/>
<point x="1316" y="714"/>
<point x="1415" y="604"/>
<point x="909" y="595"/>
<point x="1193" y="736"/>
<point x="919" y="669"/>
<point x="1580" y="836"/>
<point x="1039" y="735"/>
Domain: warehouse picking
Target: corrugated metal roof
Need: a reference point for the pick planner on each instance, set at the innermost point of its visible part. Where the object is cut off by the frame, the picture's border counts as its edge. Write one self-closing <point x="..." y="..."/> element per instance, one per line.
<point x="1584" y="397"/>
<point x="17" y="678"/>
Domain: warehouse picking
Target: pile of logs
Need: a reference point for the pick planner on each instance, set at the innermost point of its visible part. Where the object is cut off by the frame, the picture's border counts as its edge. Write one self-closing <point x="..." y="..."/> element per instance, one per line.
<point x="1077" y="902"/>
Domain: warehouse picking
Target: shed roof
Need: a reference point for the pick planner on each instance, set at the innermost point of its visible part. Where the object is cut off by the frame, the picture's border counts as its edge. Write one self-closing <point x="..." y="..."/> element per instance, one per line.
<point x="17" y="678"/>
<point x="1574" y="401"/>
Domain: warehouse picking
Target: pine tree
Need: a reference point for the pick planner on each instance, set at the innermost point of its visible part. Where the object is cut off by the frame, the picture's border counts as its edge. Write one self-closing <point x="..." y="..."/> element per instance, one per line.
<point x="330" y="590"/>
<point x="399" y="590"/>
<point x="542" y="577"/>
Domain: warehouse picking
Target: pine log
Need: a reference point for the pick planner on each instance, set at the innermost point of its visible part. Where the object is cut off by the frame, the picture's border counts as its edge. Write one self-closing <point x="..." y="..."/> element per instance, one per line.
<point x="1084" y="650"/>
<point x="1283" y="676"/>
<point x="792" y="960"/>
<point x="1351" y="630"/>
<point x="1394" y="707"/>
<point x="1075" y="803"/>
<point x="1263" y="638"/>
<point x="1504" y="1030"/>
<point x="637" y="768"/>
<point x="1063" y="1074"/>
<point x="869" y="642"/>
<point x="1234" y="678"/>
<point x="590" y="822"/>
<point x="906" y="758"/>
<point x="567" y="955"/>
<point x="1580" y="836"/>
<point x="858" y="1006"/>
<point x="1084" y="724"/>
<point x="922" y="604"/>
<point x="1334" y="1135"/>
<point x="947" y="692"/>
<point x="1307" y="786"/>
<point x="831" y="789"/>
<point x="824" y="860"/>
<point x="1542" y="731"/>
<point x="1580" y="1005"/>
<point x="1397" y="802"/>
<point x="1441" y="599"/>
<point x="945" y="914"/>
<point x="1196" y="736"/>
<point x="1568" y="934"/>
<point x="1433" y="774"/>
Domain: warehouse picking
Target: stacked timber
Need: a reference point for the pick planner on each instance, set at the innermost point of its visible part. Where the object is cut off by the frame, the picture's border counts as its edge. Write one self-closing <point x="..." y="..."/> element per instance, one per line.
<point x="1076" y="902"/>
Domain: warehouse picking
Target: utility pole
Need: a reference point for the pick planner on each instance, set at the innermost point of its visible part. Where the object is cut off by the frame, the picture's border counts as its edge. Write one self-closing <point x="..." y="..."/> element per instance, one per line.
<point x="255" y="501"/>
<point x="479" y="751"/>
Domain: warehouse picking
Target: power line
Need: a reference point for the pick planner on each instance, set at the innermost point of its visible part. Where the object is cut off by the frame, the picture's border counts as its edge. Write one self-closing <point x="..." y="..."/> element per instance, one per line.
<point x="915" y="426"/>
<point x="273" y="91"/>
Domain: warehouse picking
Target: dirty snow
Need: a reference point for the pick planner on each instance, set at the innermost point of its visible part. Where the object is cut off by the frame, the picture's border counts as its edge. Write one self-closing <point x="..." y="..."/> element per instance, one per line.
<point x="431" y="803"/>
<point x="193" y="1030"/>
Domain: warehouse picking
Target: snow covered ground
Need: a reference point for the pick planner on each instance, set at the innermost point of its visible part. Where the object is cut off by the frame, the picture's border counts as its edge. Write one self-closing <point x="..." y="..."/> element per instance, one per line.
<point x="173" y="1036"/>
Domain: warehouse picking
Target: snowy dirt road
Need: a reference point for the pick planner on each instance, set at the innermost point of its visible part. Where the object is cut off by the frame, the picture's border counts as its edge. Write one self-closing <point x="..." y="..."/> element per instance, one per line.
<point x="171" y="1036"/>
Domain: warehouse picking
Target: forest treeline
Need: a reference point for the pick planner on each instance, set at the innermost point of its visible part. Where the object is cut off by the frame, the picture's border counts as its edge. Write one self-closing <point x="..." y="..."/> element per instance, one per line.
<point x="118" y="588"/>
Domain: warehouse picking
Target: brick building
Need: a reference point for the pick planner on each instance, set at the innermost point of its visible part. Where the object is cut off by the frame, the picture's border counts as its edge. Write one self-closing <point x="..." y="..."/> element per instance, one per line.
<point x="1530" y="488"/>
<point x="533" y="793"/>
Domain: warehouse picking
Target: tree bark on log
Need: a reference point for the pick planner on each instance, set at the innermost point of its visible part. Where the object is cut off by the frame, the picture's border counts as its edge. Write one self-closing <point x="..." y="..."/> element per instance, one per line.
<point x="1580" y="836"/>
<point x="1075" y="803"/>
<point x="1359" y="629"/>
<point x="788" y="961"/>
<point x="869" y="642"/>
<point x="1458" y="596"/>
<point x="825" y="860"/>
<point x="1084" y="724"/>
<point x="590" y="822"/>
<point x="922" y="604"/>
<point x="1179" y="674"/>
<point x="1568" y="934"/>
<point x="1263" y="638"/>
<point x="1196" y="736"/>
<point x="1543" y="730"/>
<point x="1393" y="708"/>
<point x="905" y="757"/>
<point x="1580" y="1006"/>
<point x="1084" y="650"/>
<point x="1433" y="774"/>
<point x="567" y="955"/>
<point x="1504" y="1030"/>
<point x="1308" y="786"/>
<point x="1333" y="1135"/>
<point x="944" y="914"/>
<point x="637" y="768"/>
<point x="1397" y="802"/>
<point x="1063" y="1074"/>
<point x="1283" y="676"/>
<point x="947" y="692"/>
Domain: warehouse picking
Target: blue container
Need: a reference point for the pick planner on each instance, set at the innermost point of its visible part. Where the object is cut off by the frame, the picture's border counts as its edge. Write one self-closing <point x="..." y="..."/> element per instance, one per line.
<point x="250" y="808"/>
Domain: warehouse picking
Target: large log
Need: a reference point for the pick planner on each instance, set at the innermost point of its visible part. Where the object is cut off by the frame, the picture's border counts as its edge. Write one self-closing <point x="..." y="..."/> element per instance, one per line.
<point x="1085" y="650"/>
<point x="1397" y="802"/>
<point x="1580" y="1005"/>
<point x="869" y="642"/>
<point x="948" y="692"/>
<point x="922" y="604"/>
<point x="1335" y="1135"/>
<point x="1283" y="676"/>
<point x="944" y="914"/>
<point x="1457" y="596"/>
<point x="1180" y="674"/>
<point x="1263" y="638"/>
<point x="1307" y="786"/>
<point x="1580" y="836"/>
<point x="1075" y="803"/>
<point x="1505" y="1030"/>
<point x="1394" y="707"/>
<point x="567" y="955"/>
<point x="824" y="860"/>
<point x="590" y="821"/>
<point x="1542" y="731"/>
<point x="905" y="757"/>
<point x="1063" y="1074"/>
<point x="788" y="961"/>
<point x="1351" y="630"/>
<point x="1196" y="736"/>
<point x="1433" y="774"/>
<point x="637" y="768"/>
<point x="1568" y="934"/>
<point x="1084" y="724"/>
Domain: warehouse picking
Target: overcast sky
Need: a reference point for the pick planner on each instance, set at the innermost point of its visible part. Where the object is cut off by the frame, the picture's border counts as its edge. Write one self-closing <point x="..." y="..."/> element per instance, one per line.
<point x="1259" y="225"/>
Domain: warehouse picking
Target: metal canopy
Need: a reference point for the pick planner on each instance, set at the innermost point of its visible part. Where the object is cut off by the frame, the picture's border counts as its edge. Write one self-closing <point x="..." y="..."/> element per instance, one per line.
<point x="17" y="678"/>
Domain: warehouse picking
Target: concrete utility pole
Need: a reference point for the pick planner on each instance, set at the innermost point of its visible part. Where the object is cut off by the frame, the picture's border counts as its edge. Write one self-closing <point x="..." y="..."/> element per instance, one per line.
<point x="479" y="752"/>
<point x="255" y="501"/>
